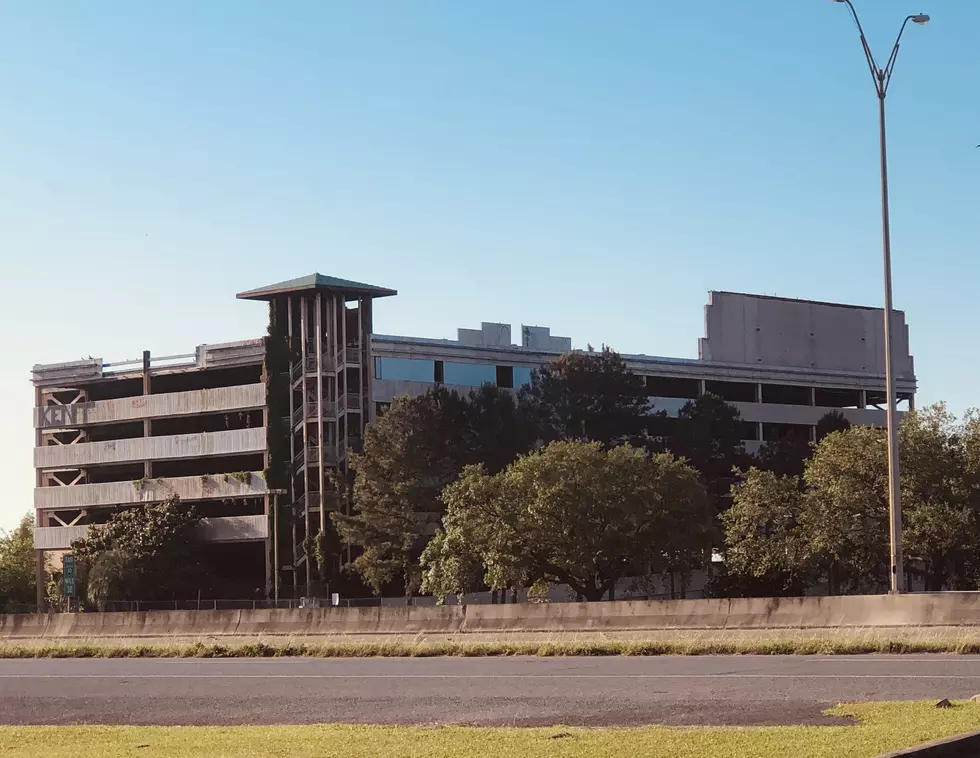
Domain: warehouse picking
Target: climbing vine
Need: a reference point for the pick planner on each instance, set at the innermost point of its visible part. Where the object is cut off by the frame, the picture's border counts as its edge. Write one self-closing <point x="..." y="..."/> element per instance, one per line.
<point x="275" y="375"/>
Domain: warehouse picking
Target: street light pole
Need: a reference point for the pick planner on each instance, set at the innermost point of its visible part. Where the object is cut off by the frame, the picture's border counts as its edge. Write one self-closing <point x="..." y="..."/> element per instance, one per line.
<point x="882" y="77"/>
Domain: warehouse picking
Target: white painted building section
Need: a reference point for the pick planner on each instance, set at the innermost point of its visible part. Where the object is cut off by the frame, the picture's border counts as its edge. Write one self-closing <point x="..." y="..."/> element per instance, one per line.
<point x="780" y="332"/>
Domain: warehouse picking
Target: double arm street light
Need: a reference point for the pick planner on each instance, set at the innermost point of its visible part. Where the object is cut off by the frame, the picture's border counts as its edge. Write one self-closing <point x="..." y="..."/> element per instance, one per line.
<point x="882" y="77"/>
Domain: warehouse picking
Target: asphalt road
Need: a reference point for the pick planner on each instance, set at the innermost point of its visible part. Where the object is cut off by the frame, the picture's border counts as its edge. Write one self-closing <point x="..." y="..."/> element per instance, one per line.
<point x="495" y="691"/>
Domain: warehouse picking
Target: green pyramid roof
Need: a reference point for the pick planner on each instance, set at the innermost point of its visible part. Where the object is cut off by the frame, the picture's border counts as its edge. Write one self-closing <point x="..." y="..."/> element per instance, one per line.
<point x="315" y="282"/>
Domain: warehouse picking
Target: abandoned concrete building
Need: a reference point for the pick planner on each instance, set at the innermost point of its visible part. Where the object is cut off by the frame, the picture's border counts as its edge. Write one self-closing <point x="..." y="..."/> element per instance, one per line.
<point x="255" y="436"/>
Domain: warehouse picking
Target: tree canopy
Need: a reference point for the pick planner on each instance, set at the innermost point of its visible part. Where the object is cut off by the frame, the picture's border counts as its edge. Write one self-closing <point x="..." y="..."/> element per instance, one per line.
<point x="708" y="435"/>
<point x="587" y="396"/>
<point x="413" y="451"/>
<point x="764" y="537"/>
<point x="837" y="526"/>
<point x="573" y="513"/>
<point x="154" y="552"/>
<point x="18" y="576"/>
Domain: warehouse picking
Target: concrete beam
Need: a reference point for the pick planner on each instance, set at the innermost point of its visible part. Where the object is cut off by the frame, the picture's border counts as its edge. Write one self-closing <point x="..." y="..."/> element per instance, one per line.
<point x="202" y="445"/>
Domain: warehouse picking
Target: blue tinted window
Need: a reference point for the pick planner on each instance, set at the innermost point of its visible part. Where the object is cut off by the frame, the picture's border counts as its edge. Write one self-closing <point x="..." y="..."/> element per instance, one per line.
<point x="522" y="376"/>
<point x="405" y="369"/>
<point x="469" y="374"/>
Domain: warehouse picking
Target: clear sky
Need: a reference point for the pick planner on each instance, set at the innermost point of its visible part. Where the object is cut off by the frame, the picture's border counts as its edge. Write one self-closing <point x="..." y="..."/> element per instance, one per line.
<point x="594" y="167"/>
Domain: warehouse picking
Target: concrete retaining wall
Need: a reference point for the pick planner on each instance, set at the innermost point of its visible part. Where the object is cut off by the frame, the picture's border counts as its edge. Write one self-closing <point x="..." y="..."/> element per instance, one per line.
<point x="951" y="609"/>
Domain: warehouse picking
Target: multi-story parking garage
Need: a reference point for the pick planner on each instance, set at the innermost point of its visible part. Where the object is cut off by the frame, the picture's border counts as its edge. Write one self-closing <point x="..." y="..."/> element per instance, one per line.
<point x="210" y="425"/>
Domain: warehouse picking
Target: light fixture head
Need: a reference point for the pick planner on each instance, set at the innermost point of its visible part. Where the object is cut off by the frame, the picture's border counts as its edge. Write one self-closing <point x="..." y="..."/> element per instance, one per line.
<point x="921" y="19"/>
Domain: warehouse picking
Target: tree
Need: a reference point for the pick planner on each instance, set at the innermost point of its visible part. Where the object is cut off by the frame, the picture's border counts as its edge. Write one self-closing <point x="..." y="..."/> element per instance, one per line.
<point x="940" y="504"/>
<point x="764" y="543"/>
<point x="846" y="519"/>
<point x="410" y="454"/>
<point x="586" y="396"/>
<point x="831" y="422"/>
<point x="575" y="514"/>
<point x="161" y="545"/>
<point x="786" y="456"/>
<point x="708" y="435"/>
<point x="18" y="577"/>
<point x="110" y="576"/>
<point x="495" y="428"/>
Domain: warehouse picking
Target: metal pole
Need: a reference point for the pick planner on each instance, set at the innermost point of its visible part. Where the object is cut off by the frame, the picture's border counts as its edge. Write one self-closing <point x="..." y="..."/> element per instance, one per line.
<point x="894" y="480"/>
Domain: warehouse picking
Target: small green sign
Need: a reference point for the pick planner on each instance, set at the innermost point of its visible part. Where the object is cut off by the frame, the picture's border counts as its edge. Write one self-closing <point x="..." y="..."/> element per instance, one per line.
<point x="68" y="573"/>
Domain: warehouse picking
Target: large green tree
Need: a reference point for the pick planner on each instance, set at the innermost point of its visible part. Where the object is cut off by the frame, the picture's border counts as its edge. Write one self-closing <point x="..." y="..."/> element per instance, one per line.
<point x="847" y="522"/>
<point x="708" y="435"/>
<point x="18" y="577"/>
<point x="940" y="498"/>
<point x="587" y="396"/>
<point x="155" y="552"/>
<point x="840" y="519"/>
<point x="765" y="545"/>
<point x="788" y="455"/>
<point x="413" y="451"/>
<point x="574" y="514"/>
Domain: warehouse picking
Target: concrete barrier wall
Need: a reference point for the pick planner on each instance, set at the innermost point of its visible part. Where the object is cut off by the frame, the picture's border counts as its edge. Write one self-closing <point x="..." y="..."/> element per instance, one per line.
<point x="952" y="609"/>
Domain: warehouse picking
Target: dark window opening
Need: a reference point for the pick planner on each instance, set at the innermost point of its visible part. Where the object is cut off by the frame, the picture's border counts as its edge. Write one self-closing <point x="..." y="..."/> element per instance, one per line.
<point x="877" y="397"/>
<point x="233" y="570"/>
<point x="777" y="432"/>
<point x="662" y="426"/>
<point x="785" y="394"/>
<point x="731" y="392"/>
<point x="440" y="372"/>
<point x="207" y="379"/>
<point x="247" y="506"/>
<point x="837" y="398"/>
<point x="114" y="388"/>
<point x="667" y="386"/>
<point x="505" y="376"/>
<point x="212" y="422"/>
<point x="217" y="465"/>
<point x="747" y="430"/>
<point x="106" y="432"/>
<point x="129" y="472"/>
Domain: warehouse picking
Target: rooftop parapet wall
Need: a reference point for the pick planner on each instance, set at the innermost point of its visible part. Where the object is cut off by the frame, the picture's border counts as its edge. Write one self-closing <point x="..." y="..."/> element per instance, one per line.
<point x="223" y="355"/>
<point x="780" y="332"/>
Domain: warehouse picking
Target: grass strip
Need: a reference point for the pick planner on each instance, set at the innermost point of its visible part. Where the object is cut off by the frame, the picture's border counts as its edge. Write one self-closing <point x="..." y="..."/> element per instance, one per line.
<point x="424" y="649"/>
<point x="882" y="727"/>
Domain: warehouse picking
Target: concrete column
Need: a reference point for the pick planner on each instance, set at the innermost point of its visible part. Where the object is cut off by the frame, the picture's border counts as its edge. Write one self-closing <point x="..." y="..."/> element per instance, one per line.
<point x="813" y="396"/>
<point x="304" y="323"/>
<point x="147" y="427"/>
<point x="367" y="356"/>
<point x="758" y="392"/>
<point x="700" y="387"/>
<point x="863" y="399"/>
<point x="319" y="406"/>
<point x="292" y="443"/>
<point x="39" y="518"/>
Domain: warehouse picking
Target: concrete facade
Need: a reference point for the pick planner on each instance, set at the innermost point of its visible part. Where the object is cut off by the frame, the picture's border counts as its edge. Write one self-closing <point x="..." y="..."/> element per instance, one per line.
<point x="782" y="363"/>
<point x="202" y="425"/>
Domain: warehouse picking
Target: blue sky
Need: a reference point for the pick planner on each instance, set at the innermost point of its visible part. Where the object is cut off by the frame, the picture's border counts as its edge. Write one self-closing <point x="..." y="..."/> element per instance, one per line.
<point x="594" y="167"/>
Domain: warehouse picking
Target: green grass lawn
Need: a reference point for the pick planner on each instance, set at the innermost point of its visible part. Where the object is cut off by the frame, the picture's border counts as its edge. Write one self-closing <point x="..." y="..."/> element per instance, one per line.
<point x="882" y="727"/>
